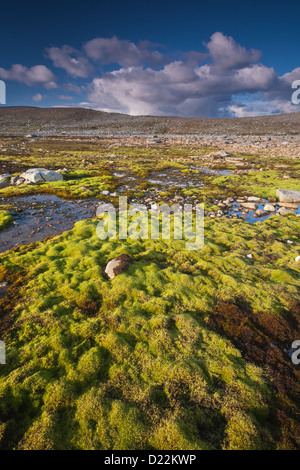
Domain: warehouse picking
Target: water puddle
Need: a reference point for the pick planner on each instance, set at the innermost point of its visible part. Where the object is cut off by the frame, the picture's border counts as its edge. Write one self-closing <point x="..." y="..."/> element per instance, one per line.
<point x="175" y="179"/>
<point x="38" y="217"/>
<point x="251" y="216"/>
<point x="210" y="171"/>
<point x="41" y="216"/>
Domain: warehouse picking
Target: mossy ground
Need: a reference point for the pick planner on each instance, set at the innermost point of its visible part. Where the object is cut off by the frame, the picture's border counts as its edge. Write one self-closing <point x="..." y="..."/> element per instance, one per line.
<point x="91" y="166"/>
<point x="5" y="219"/>
<point x="144" y="361"/>
<point x="175" y="353"/>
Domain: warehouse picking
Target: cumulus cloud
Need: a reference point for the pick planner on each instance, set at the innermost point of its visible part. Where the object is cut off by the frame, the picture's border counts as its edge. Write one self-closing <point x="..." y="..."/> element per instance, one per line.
<point x="38" y="97"/>
<point x="143" y="80"/>
<point x="261" y="108"/>
<point x="36" y="75"/>
<point x="227" y="54"/>
<point x="176" y="89"/>
<point x="125" y="53"/>
<point x="71" y="60"/>
<point x="184" y="87"/>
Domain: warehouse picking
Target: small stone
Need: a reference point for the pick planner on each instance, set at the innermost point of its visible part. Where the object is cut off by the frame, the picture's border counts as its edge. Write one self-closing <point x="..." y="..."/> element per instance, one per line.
<point x="117" y="265"/>
<point x="5" y="177"/>
<point x="260" y="213"/>
<point x="14" y="179"/>
<point x="269" y="208"/>
<point x="284" y="211"/>
<point x="252" y="206"/>
<point x="254" y="199"/>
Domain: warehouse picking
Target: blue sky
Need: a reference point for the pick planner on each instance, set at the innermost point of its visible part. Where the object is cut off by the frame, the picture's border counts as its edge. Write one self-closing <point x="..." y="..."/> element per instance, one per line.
<point x="190" y="58"/>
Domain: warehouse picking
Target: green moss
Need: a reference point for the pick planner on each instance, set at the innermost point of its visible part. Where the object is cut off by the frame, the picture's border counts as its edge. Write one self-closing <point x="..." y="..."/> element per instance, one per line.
<point x="261" y="184"/>
<point x="6" y="219"/>
<point x="132" y="363"/>
<point x="173" y="353"/>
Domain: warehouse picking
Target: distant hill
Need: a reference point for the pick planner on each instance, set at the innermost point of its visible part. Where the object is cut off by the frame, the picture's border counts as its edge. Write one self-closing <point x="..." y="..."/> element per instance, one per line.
<point x="81" y="121"/>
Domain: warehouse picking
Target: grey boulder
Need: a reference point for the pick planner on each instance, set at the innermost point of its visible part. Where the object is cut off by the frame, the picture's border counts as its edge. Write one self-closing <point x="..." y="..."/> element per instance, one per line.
<point x="36" y="175"/>
<point x="287" y="195"/>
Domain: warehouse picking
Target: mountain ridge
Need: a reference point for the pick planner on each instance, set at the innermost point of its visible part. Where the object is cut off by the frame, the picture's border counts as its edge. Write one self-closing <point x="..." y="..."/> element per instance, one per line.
<point x="18" y="119"/>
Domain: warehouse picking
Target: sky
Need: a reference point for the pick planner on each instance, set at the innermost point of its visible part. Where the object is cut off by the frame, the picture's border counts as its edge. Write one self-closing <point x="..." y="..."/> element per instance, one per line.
<point x="188" y="58"/>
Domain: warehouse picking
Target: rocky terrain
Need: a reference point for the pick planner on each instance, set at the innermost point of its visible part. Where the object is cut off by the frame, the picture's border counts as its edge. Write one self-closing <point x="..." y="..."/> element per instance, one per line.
<point x="80" y="121"/>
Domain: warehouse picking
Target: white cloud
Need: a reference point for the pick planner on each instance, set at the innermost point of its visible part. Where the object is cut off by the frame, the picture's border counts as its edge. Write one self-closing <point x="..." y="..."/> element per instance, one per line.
<point x="66" y="98"/>
<point x="125" y="53"/>
<point x="143" y="80"/>
<point x="227" y="54"/>
<point x="187" y="89"/>
<point x="36" y="75"/>
<point x="261" y="108"/>
<point x="70" y="60"/>
<point x="38" y="97"/>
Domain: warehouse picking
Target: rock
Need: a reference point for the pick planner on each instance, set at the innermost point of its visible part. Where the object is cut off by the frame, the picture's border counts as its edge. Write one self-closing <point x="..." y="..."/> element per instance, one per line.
<point x="297" y="259"/>
<point x="5" y="177"/>
<point x="19" y="181"/>
<point x="3" y="288"/>
<point x="105" y="193"/>
<point x="250" y="256"/>
<point x="269" y="208"/>
<point x="287" y="195"/>
<point x="117" y="265"/>
<point x="289" y="205"/>
<point x="3" y="184"/>
<point x="283" y="211"/>
<point x="14" y="179"/>
<point x="220" y="155"/>
<point x="260" y="213"/>
<point x="254" y="199"/>
<point x="36" y="175"/>
<point x="252" y="206"/>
